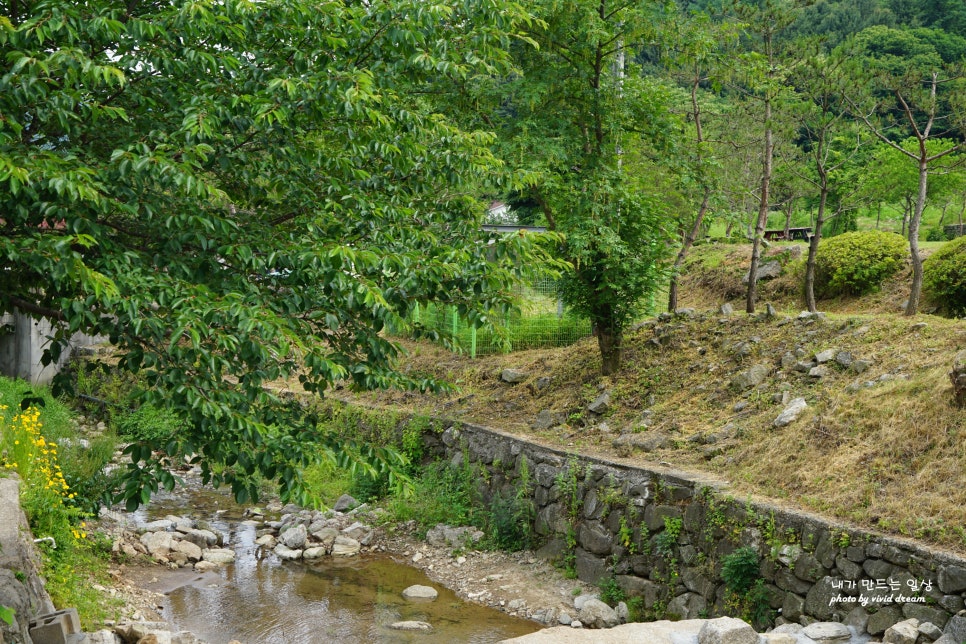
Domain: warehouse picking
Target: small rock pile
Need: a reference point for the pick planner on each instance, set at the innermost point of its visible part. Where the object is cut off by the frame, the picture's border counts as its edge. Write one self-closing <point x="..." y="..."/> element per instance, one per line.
<point x="177" y="542"/>
<point x="310" y="534"/>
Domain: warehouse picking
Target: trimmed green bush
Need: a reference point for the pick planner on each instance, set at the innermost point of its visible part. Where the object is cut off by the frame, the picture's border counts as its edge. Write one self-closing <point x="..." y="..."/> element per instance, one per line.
<point x="857" y="263"/>
<point x="944" y="278"/>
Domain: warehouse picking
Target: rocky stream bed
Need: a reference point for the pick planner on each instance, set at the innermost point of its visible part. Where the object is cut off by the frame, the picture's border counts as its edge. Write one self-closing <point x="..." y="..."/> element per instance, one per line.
<point x="165" y="554"/>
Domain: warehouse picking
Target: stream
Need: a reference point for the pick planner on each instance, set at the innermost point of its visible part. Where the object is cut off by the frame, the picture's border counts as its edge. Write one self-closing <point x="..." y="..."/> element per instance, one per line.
<point x="261" y="599"/>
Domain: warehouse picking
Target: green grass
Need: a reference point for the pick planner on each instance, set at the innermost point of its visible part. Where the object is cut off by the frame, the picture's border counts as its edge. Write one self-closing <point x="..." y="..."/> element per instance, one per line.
<point x="442" y="494"/>
<point x="325" y="483"/>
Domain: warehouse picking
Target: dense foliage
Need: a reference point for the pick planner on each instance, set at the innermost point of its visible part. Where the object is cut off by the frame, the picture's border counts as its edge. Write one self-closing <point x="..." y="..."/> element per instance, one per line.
<point x="856" y="263"/>
<point x="239" y="193"/>
<point x="587" y="129"/>
<point x="945" y="277"/>
<point x="236" y="193"/>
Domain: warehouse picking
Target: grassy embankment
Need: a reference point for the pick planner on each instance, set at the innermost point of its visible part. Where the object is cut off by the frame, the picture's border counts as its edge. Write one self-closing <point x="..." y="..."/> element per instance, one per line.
<point x="889" y="456"/>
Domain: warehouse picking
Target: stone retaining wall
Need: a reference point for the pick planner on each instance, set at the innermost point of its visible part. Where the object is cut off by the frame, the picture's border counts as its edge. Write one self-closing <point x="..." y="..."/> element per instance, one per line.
<point x="663" y="536"/>
<point x="21" y="587"/>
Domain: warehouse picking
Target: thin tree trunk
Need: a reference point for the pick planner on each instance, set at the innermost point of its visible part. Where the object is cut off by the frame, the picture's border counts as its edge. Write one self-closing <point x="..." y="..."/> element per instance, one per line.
<point x="789" y="207"/>
<point x="878" y="215"/>
<point x="913" y="305"/>
<point x="961" y="212"/>
<point x="752" y="293"/>
<point x="672" y="297"/>
<point x="813" y="250"/>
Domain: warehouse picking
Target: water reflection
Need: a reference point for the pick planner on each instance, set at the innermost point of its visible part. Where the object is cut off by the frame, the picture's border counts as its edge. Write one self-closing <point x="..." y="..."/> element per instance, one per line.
<point x="261" y="599"/>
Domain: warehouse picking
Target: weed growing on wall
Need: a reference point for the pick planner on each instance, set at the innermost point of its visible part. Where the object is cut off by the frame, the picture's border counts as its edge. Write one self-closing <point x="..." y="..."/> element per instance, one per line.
<point x="511" y="516"/>
<point x="746" y="595"/>
<point x="610" y="591"/>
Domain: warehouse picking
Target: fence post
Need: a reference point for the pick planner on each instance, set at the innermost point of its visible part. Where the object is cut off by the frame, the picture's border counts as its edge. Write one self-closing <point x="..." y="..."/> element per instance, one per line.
<point x="473" y="342"/>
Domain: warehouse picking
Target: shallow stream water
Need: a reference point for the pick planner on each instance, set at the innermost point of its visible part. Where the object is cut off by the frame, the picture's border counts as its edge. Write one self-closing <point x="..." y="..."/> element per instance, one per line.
<point x="261" y="599"/>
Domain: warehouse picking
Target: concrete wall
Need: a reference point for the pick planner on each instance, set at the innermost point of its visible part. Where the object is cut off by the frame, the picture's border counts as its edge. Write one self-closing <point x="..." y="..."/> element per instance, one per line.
<point x="608" y="520"/>
<point x="20" y="585"/>
<point x="22" y="343"/>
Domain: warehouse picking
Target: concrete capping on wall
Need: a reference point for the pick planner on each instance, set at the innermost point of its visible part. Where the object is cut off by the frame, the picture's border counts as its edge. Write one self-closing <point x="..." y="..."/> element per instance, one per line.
<point x="814" y="569"/>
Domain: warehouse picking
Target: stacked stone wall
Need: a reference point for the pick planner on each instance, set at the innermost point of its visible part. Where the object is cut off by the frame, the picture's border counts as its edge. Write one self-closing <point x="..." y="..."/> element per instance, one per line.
<point x="663" y="536"/>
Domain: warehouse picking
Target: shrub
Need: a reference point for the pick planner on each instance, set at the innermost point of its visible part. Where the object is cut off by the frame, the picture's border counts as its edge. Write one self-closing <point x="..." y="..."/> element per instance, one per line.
<point x="739" y="570"/>
<point x="937" y="234"/>
<point x="746" y="594"/>
<point x="944" y="277"/>
<point x="856" y="263"/>
<point x="148" y="423"/>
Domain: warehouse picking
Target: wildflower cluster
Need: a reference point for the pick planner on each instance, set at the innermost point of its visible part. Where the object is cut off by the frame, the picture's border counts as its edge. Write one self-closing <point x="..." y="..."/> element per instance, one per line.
<point x="45" y="495"/>
<point x="32" y="456"/>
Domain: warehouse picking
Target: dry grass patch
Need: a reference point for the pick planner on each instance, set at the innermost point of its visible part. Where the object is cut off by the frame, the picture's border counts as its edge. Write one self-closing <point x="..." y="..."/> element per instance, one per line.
<point x="889" y="456"/>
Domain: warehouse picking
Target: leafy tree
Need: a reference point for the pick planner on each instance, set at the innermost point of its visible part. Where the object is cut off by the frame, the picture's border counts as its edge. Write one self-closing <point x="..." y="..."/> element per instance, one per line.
<point x="238" y="193"/>
<point x="591" y="136"/>
<point x="695" y="58"/>
<point x="821" y="81"/>
<point x="927" y="98"/>
<point x="835" y="20"/>
<point x="765" y="82"/>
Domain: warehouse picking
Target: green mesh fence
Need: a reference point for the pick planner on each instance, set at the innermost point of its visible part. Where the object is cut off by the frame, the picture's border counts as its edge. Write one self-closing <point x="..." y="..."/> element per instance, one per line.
<point x="542" y="322"/>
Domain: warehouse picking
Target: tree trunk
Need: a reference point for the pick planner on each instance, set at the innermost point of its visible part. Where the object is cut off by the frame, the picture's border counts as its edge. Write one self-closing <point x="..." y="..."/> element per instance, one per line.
<point x="610" y="342"/>
<point x="752" y="293"/>
<point x="905" y="214"/>
<point x="813" y="251"/>
<point x="672" y="296"/>
<point x="878" y="215"/>
<point x="960" y="222"/>
<point x="789" y="207"/>
<point x="913" y="306"/>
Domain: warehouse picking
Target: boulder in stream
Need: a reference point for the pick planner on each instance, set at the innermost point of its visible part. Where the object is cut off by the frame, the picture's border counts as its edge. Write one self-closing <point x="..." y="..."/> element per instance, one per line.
<point x="345" y="547"/>
<point x="411" y="626"/>
<point x="420" y="592"/>
<point x="286" y="553"/>
<point x="294" y="537"/>
<point x="219" y="555"/>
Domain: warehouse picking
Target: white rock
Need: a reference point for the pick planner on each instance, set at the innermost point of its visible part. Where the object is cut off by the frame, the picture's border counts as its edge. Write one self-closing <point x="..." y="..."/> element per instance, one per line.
<point x="158" y="543"/>
<point x="411" y="626"/>
<point x="286" y="553"/>
<point x="420" y="592"/>
<point x="266" y="541"/>
<point x="906" y="632"/>
<point x="597" y="614"/>
<point x="828" y="633"/>
<point x="727" y="630"/>
<point x="189" y="549"/>
<point x="294" y="537"/>
<point x="791" y="412"/>
<point x="219" y="555"/>
<point x="313" y="553"/>
<point x="580" y="600"/>
<point x="345" y="547"/>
